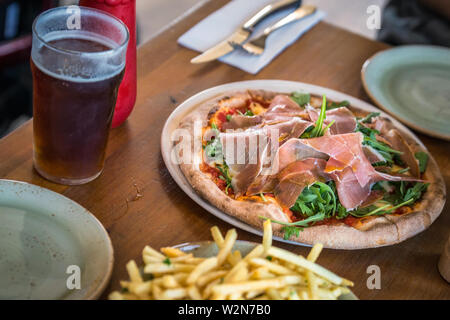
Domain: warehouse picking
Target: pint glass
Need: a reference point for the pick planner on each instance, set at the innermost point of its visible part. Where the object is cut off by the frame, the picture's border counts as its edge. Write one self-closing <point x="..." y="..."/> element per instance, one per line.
<point x="77" y="61"/>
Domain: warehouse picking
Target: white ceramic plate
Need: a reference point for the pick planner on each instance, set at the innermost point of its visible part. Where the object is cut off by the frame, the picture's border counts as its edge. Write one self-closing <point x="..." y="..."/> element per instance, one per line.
<point x="45" y="238"/>
<point x="271" y="85"/>
<point x="206" y="249"/>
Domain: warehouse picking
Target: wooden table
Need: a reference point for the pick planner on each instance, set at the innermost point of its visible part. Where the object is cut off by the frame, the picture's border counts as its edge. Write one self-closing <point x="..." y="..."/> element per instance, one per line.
<point x="163" y="215"/>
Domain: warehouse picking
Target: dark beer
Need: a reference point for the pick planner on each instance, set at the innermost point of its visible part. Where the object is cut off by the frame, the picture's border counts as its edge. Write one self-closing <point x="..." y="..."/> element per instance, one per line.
<point x="73" y="110"/>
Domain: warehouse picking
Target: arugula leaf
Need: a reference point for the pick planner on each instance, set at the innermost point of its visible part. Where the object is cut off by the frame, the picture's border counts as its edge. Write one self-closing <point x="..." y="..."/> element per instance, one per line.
<point x="423" y="160"/>
<point x="334" y="105"/>
<point x="369" y="138"/>
<point x="318" y="130"/>
<point x="341" y="212"/>
<point x="368" y="211"/>
<point x="214" y="149"/>
<point x="317" y="198"/>
<point x="247" y="113"/>
<point x="307" y="132"/>
<point x="301" y="98"/>
<point x="401" y="196"/>
<point x="404" y="170"/>
<point x="225" y="170"/>
<point x="416" y="191"/>
<point x="290" y="231"/>
<point x="368" y="118"/>
<point x="295" y="227"/>
<point x="263" y="197"/>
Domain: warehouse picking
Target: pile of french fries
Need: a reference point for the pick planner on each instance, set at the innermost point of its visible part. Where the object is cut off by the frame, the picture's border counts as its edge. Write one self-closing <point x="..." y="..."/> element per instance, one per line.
<point x="264" y="273"/>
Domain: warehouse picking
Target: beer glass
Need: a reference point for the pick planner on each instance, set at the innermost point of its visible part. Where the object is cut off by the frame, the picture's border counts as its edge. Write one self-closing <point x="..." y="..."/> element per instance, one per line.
<point x="77" y="62"/>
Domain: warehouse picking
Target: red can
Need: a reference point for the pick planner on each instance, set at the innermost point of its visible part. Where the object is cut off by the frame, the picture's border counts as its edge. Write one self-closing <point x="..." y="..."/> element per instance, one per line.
<point x="126" y="11"/>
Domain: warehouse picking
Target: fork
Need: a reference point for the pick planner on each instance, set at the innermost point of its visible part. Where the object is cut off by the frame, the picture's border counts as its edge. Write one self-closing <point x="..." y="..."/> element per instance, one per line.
<point x="257" y="46"/>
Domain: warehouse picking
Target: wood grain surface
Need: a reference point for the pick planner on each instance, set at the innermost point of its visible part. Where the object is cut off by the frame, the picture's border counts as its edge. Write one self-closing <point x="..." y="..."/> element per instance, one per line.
<point x="139" y="203"/>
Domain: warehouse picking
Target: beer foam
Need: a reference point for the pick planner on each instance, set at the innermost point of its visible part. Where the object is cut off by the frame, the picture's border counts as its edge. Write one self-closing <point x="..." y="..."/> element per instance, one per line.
<point x="84" y="66"/>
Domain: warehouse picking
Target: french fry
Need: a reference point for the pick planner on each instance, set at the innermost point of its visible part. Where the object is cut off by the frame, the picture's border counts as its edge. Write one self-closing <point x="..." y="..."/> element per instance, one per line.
<point x="234" y="271"/>
<point x="183" y="258"/>
<point x="308" y="265"/>
<point x="151" y="259"/>
<point x="315" y="252"/>
<point x="272" y="267"/>
<point x="174" y="294"/>
<point x="149" y="251"/>
<point x="227" y="245"/>
<point x="168" y="268"/>
<point x="312" y="285"/>
<point x="201" y="269"/>
<point x="140" y="289"/>
<point x="172" y="252"/>
<point x="194" y="260"/>
<point x="217" y="236"/>
<point x="169" y="282"/>
<point x="235" y="296"/>
<point x="157" y="292"/>
<point x="232" y="258"/>
<point x="256" y="285"/>
<point x="261" y="273"/>
<point x="133" y="272"/>
<point x="274" y="294"/>
<point x="253" y="294"/>
<point x="194" y="293"/>
<point x="267" y="236"/>
<point x="211" y="276"/>
<point x="208" y="289"/>
<point x="266" y="272"/>
<point x="240" y="275"/>
<point x="115" y="295"/>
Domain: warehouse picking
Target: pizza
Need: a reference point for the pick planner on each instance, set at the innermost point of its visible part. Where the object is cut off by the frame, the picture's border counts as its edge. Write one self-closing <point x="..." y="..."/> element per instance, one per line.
<point x="322" y="171"/>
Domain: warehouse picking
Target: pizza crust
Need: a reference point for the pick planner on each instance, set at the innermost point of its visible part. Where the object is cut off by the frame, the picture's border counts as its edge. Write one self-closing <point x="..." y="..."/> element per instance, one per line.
<point x="376" y="231"/>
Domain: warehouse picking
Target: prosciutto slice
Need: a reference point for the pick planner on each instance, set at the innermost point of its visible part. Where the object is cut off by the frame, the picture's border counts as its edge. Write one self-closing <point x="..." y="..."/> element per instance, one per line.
<point x="352" y="194"/>
<point x="344" y="119"/>
<point x="345" y="150"/>
<point x="240" y="122"/>
<point x="372" y="155"/>
<point x="295" y="177"/>
<point x="249" y="154"/>
<point x="294" y="150"/>
<point x="291" y="151"/>
<point x="245" y="154"/>
<point x="347" y="164"/>
<point x="283" y="108"/>
<point x="398" y="143"/>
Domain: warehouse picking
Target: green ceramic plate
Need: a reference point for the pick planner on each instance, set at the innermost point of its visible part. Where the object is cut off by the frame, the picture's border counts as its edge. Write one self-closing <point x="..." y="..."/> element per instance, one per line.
<point x="413" y="84"/>
<point x="206" y="249"/>
<point x="43" y="236"/>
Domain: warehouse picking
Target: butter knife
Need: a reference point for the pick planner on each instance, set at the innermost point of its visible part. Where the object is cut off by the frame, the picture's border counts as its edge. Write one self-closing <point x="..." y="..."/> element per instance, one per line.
<point x="243" y="32"/>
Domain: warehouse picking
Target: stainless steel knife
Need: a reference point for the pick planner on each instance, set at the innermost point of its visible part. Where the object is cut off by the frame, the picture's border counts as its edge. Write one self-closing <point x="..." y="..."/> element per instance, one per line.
<point x="243" y="32"/>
